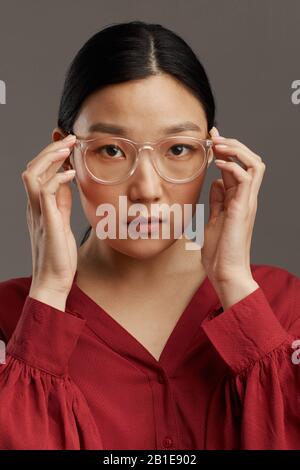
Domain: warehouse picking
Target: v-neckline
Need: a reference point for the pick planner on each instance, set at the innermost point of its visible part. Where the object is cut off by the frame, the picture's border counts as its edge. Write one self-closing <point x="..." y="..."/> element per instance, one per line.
<point x="109" y="330"/>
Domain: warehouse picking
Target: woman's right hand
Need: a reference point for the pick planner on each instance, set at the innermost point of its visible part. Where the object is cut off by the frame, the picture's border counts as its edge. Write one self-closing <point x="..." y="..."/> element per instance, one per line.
<point x="53" y="246"/>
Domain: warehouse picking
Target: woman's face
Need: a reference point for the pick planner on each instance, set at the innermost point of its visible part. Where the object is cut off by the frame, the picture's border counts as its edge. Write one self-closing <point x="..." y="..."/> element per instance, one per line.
<point x="143" y="108"/>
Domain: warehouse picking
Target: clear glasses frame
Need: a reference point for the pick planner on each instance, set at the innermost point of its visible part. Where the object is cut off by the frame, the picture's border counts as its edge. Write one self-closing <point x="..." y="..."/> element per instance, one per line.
<point x="82" y="145"/>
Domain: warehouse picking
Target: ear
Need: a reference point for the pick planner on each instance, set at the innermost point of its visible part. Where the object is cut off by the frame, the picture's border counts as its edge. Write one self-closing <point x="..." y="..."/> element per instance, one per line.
<point x="58" y="134"/>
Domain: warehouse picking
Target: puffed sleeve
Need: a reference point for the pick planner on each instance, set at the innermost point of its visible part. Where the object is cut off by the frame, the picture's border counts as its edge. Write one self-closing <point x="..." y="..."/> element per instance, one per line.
<point x="256" y="405"/>
<point x="40" y="406"/>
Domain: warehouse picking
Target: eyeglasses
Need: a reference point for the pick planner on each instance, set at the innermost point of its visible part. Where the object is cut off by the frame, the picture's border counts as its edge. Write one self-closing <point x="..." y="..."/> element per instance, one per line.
<point x="112" y="160"/>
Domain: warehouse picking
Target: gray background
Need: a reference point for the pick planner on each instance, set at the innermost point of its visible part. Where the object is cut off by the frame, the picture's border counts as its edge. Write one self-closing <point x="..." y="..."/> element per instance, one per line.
<point x="250" y="50"/>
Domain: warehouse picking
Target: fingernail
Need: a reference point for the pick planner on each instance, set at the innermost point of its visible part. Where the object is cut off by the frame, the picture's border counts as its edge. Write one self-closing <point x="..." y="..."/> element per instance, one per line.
<point x="217" y="160"/>
<point x="211" y="132"/>
<point x="64" y="150"/>
<point x="218" y="137"/>
<point x="70" y="137"/>
<point x="216" y="131"/>
<point x="220" y="146"/>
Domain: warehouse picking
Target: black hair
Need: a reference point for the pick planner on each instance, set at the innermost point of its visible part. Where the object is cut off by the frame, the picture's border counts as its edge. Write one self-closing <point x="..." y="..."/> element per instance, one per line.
<point x="131" y="51"/>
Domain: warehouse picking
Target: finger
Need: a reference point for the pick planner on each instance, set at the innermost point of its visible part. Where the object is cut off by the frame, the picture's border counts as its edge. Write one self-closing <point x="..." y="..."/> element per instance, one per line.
<point x="249" y="162"/>
<point x="49" y="162"/>
<point x="235" y="143"/>
<point x="64" y="202"/>
<point x="239" y="153"/>
<point x="53" y="146"/>
<point x="229" y="180"/>
<point x="256" y="183"/>
<point x="47" y="196"/>
<point x="32" y="188"/>
<point x="216" y="198"/>
<point x="214" y="132"/>
<point x="242" y="186"/>
<point x="28" y="214"/>
<point x="246" y="156"/>
<point x="44" y="168"/>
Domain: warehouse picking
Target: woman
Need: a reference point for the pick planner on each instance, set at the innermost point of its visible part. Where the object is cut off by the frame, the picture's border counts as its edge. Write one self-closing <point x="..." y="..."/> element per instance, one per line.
<point x="140" y="343"/>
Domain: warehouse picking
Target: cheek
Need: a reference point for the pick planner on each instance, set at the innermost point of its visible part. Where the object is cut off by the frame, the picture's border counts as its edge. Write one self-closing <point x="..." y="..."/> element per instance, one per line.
<point x="187" y="196"/>
<point x="188" y="193"/>
<point x="92" y="195"/>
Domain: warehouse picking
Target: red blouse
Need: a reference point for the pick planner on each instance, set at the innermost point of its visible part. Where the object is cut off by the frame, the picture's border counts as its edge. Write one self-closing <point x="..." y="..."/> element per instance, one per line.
<point x="225" y="379"/>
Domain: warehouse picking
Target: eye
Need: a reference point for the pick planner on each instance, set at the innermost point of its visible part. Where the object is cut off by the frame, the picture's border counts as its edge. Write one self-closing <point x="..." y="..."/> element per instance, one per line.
<point x="108" y="151"/>
<point x="178" y="149"/>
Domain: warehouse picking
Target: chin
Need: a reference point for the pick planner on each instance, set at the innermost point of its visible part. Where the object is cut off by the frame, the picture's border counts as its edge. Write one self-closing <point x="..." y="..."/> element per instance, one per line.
<point x="140" y="248"/>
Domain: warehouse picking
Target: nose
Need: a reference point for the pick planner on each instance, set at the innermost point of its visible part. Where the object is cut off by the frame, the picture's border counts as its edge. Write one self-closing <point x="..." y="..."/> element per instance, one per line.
<point x="145" y="183"/>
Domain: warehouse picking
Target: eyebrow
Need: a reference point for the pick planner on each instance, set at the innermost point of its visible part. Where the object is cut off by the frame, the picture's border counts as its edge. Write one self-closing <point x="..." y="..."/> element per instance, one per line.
<point x="122" y="131"/>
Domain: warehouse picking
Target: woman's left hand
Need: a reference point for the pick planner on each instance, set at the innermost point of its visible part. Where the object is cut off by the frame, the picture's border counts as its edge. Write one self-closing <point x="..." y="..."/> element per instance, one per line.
<point x="233" y="205"/>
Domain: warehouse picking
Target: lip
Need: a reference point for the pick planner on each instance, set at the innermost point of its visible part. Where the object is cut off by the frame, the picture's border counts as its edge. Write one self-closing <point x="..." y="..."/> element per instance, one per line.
<point x="145" y="220"/>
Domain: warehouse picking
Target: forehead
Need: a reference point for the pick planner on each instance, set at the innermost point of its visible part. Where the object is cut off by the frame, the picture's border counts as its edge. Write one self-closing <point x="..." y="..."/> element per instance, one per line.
<point x="142" y="105"/>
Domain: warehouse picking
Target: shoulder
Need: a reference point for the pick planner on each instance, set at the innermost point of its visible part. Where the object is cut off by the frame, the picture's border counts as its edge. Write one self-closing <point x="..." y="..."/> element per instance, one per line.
<point x="282" y="290"/>
<point x="13" y="293"/>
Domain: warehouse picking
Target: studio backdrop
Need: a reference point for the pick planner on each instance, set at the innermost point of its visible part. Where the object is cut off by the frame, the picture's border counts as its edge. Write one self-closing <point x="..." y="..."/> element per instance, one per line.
<point x="250" y="50"/>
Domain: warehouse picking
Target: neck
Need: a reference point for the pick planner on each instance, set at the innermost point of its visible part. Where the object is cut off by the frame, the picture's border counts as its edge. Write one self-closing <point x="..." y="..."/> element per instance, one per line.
<point x="98" y="259"/>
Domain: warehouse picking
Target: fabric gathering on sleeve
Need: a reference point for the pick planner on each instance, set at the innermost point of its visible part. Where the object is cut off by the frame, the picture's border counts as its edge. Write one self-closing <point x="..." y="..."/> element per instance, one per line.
<point x="262" y="401"/>
<point x="40" y="406"/>
<point x="226" y="379"/>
